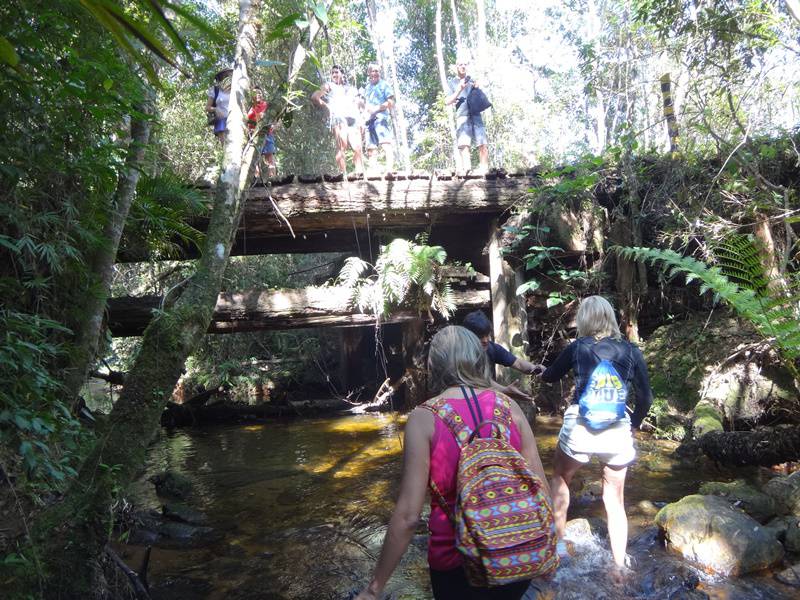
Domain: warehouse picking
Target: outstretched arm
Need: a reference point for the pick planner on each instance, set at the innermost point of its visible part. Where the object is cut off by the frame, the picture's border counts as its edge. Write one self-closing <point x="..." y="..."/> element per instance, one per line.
<point x="413" y="487"/>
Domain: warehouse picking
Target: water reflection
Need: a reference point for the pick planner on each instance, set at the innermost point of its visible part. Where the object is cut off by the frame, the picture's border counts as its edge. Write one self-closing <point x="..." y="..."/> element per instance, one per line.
<point x="302" y="508"/>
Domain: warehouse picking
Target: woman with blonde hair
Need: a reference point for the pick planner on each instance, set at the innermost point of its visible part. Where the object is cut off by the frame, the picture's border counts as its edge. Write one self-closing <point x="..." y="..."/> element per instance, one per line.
<point x="456" y="363"/>
<point x="599" y="357"/>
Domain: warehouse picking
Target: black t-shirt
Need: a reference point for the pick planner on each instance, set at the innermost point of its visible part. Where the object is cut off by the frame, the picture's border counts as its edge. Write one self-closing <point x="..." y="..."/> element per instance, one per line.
<point x="626" y="357"/>
<point x="499" y="355"/>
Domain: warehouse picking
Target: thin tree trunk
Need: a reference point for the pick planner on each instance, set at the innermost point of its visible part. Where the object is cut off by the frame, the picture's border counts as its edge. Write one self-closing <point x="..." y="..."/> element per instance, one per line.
<point x="457" y="25"/>
<point x="483" y="47"/>
<point x="74" y="532"/>
<point x="101" y="263"/>
<point x="443" y="80"/>
<point x="793" y="6"/>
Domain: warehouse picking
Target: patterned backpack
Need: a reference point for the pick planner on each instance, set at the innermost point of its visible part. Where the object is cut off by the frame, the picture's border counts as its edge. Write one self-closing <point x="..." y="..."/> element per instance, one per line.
<point x="503" y="521"/>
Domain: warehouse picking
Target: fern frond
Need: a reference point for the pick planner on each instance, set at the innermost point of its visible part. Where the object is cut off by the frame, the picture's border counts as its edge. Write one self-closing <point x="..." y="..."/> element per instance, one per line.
<point x="776" y="318"/>
<point x="351" y="271"/>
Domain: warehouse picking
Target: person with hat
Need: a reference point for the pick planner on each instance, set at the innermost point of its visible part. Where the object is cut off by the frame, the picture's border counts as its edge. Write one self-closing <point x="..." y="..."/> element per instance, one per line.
<point x="469" y="128"/>
<point x="217" y="106"/>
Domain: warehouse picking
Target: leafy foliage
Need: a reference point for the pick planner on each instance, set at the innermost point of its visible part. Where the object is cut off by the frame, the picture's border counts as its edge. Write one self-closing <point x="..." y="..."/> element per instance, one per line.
<point x="406" y="275"/>
<point x="43" y="431"/>
<point x="775" y="316"/>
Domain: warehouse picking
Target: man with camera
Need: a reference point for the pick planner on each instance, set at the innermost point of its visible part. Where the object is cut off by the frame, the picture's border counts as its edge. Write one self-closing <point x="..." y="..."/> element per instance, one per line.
<point x="469" y="128"/>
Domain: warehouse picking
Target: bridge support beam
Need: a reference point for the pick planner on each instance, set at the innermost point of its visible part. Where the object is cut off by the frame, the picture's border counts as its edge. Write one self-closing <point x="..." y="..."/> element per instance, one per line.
<point x="509" y="316"/>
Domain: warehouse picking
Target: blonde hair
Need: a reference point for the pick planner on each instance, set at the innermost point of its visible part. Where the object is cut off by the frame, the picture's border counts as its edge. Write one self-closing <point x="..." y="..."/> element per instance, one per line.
<point x="456" y="357"/>
<point x="596" y="319"/>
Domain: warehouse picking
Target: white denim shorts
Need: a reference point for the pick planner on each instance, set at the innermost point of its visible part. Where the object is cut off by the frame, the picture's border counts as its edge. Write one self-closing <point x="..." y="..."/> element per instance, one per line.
<point x="613" y="445"/>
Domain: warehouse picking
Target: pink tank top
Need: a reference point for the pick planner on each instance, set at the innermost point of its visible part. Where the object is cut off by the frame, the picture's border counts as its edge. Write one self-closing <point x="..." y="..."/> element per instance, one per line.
<point x="442" y="552"/>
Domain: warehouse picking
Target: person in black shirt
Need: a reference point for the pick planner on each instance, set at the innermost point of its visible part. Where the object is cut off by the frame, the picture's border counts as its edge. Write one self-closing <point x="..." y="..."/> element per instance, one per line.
<point x="478" y="323"/>
<point x="598" y="338"/>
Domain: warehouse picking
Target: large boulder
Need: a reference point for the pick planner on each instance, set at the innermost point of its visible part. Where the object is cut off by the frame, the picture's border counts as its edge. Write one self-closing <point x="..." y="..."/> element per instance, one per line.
<point x="757" y="504"/>
<point x="710" y="359"/>
<point x="786" y="492"/>
<point x="718" y="537"/>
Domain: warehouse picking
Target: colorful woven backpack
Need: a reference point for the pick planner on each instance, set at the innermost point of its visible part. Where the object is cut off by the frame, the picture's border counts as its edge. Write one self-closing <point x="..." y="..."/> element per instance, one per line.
<point x="503" y="521"/>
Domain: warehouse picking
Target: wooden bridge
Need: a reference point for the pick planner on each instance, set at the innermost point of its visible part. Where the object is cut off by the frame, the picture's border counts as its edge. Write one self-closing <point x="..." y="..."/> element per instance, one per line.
<point x="310" y="215"/>
<point x="353" y="216"/>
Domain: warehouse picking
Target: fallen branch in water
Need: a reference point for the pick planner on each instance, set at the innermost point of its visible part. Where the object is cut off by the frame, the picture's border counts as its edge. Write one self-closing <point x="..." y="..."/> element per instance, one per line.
<point x="138" y="586"/>
<point x="763" y="447"/>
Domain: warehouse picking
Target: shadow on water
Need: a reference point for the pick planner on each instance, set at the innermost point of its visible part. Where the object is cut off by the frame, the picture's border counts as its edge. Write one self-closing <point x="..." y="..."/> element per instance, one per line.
<point x="301" y="508"/>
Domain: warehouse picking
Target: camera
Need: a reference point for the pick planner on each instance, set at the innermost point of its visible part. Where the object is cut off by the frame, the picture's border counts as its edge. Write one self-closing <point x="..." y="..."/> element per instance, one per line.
<point x="467" y="79"/>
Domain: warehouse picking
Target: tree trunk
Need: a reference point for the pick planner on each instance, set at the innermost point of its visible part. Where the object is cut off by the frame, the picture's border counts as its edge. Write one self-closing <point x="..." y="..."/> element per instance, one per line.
<point x="259" y="310"/>
<point x="764" y="447"/>
<point x="101" y="263"/>
<point x="74" y="532"/>
<point x="457" y="26"/>
<point x="483" y="46"/>
<point x="443" y="79"/>
<point x="793" y="6"/>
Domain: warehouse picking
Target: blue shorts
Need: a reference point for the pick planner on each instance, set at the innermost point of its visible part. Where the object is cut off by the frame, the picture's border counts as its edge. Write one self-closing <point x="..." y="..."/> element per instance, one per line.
<point x="470" y="130"/>
<point x="220" y="125"/>
<point x="269" y="145"/>
<point x="378" y="134"/>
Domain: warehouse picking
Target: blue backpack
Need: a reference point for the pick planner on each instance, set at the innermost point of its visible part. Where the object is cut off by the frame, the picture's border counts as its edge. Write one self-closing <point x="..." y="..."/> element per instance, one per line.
<point x="603" y="400"/>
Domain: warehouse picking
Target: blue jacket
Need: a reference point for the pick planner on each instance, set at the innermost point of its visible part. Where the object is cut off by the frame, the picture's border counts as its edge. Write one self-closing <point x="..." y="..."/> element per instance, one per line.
<point x="626" y="357"/>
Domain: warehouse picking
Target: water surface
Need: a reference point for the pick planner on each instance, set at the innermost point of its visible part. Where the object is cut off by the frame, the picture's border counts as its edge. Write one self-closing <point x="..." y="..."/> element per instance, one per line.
<point x="300" y="510"/>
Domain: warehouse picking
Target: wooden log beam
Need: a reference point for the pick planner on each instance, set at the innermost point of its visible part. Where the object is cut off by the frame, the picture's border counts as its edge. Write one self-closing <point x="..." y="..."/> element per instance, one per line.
<point x="257" y="310"/>
<point x="329" y="217"/>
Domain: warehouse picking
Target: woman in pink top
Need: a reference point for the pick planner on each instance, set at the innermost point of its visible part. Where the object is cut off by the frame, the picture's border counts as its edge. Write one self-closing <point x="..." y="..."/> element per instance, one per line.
<point x="456" y="359"/>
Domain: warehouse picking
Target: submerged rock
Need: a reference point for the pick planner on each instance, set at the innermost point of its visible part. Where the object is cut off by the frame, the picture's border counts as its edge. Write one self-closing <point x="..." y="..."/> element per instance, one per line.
<point x="172" y="485"/>
<point x="180" y="512"/>
<point x="580" y="529"/>
<point x="757" y="504"/>
<point x="720" y="538"/>
<point x="790" y="576"/>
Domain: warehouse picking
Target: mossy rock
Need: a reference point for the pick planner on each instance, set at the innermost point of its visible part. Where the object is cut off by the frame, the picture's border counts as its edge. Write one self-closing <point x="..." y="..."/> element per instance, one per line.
<point x="720" y="538"/>
<point x="706" y="419"/>
<point x="697" y="358"/>
<point x="755" y="503"/>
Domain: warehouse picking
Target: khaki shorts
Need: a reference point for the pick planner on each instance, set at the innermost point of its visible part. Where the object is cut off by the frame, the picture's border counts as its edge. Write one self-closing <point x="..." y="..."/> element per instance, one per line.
<point x="613" y="445"/>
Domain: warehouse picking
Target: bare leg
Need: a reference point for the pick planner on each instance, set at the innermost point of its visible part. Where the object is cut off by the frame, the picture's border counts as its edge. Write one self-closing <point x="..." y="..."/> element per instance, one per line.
<point x="354" y="136"/>
<point x="483" y="156"/>
<point x="613" y="498"/>
<point x="341" y="146"/>
<point x="564" y="468"/>
<point x="466" y="161"/>
<point x="388" y="149"/>
<point x="372" y="159"/>
<point x="271" y="167"/>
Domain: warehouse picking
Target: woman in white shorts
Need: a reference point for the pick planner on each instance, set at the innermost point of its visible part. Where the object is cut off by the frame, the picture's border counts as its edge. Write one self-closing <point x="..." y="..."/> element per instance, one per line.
<point x="599" y="339"/>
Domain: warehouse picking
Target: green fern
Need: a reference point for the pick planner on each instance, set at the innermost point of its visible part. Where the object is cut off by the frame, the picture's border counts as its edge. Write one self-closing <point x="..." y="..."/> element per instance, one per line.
<point x="740" y="260"/>
<point x="406" y="275"/>
<point x="776" y="318"/>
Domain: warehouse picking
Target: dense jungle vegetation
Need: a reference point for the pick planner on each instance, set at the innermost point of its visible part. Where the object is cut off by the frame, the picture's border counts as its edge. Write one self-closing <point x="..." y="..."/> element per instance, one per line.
<point x="105" y="138"/>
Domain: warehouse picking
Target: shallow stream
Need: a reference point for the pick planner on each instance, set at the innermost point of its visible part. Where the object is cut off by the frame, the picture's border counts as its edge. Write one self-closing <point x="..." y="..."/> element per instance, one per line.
<point x="299" y="510"/>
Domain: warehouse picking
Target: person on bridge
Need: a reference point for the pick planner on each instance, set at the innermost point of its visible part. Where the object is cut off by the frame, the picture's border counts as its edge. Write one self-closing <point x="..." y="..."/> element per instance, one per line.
<point x="217" y="105"/>
<point x="599" y="345"/>
<point x="469" y="128"/>
<point x="378" y="100"/>
<point x="341" y="102"/>
<point x="456" y="362"/>
<point x="478" y="323"/>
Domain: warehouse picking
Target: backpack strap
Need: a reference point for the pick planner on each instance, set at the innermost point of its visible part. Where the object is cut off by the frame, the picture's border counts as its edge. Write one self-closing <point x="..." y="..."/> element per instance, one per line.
<point x="216" y="93"/>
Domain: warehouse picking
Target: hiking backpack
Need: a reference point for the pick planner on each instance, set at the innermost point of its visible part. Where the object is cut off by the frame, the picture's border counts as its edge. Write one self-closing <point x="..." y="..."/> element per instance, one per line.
<point x="477" y="102"/>
<point x="603" y="400"/>
<point x="502" y="518"/>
